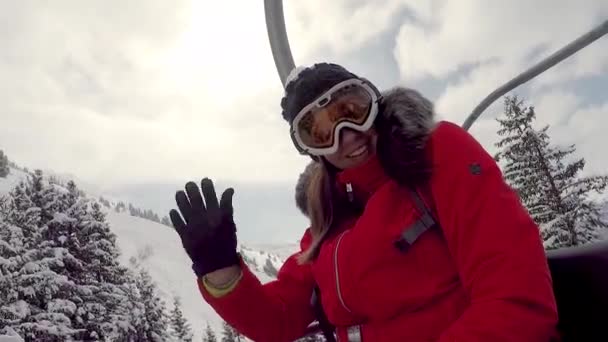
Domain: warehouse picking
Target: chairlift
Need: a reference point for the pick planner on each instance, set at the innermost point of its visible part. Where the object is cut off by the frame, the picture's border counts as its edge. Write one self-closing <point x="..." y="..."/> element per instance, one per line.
<point x="580" y="274"/>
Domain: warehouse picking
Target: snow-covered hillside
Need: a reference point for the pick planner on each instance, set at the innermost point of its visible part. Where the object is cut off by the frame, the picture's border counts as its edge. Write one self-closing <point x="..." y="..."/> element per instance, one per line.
<point x="13" y="178"/>
<point x="159" y="250"/>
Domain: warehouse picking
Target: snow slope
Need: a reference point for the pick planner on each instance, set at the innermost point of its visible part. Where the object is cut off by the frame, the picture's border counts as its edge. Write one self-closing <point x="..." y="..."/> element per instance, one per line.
<point x="13" y="178"/>
<point x="159" y="250"/>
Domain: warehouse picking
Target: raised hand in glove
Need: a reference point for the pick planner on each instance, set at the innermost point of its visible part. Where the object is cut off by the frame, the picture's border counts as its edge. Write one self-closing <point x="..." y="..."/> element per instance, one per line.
<point x="208" y="233"/>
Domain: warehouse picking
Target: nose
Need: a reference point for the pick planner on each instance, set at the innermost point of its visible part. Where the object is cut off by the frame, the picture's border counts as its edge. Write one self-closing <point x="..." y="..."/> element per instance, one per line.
<point x="348" y="137"/>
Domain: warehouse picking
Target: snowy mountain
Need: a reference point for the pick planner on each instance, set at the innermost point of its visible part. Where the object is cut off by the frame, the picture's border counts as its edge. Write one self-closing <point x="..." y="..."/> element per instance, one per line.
<point x="158" y="249"/>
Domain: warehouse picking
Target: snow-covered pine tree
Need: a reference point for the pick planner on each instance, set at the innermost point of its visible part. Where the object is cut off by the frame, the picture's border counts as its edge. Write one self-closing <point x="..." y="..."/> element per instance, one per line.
<point x="136" y="310"/>
<point x="72" y="195"/>
<point x="166" y="221"/>
<point x="4" y="165"/>
<point x="155" y="319"/>
<point x="269" y="268"/>
<point x="179" y="323"/>
<point x="104" y="202"/>
<point x="209" y="335"/>
<point x="120" y="207"/>
<point x="229" y="334"/>
<point x="105" y="311"/>
<point x="40" y="301"/>
<point x="549" y="185"/>
<point x="85" y="291"/>
<point x="11" y="250"/>
<point x="19" y="210"/>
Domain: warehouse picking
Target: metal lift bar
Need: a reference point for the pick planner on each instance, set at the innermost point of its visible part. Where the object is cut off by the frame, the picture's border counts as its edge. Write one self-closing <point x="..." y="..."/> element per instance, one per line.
<point x="537" y="69"/>
<point x="281" y="52"/>
<point x="279" y="43"/>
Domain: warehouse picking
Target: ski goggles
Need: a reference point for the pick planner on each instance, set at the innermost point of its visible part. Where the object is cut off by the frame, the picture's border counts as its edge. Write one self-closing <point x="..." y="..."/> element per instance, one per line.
<point x="349" y="104"/>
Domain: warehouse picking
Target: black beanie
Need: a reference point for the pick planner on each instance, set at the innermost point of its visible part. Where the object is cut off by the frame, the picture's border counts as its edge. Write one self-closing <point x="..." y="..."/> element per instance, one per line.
<point x="309" y="84"/>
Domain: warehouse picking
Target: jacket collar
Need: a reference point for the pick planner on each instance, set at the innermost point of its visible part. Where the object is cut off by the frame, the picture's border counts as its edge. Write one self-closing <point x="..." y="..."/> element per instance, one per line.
<point x="363" y="180"/>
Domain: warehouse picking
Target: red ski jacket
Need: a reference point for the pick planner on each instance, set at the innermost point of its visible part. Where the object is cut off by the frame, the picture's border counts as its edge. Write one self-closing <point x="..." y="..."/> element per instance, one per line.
<point x="481" y="277"/>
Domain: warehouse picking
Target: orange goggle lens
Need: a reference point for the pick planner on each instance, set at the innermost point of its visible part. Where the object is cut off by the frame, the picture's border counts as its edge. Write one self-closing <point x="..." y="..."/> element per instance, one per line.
<point x="317" y="126"/>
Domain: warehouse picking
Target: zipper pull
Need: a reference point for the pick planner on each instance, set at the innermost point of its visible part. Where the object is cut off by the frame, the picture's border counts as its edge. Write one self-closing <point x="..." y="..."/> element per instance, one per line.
<point x="350" y="193"/>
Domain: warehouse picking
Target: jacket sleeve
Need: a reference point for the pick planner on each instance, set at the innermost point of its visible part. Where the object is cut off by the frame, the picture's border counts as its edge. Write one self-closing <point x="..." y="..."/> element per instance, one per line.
<point x="495" y="244"/>
<point x="273" y="312"/>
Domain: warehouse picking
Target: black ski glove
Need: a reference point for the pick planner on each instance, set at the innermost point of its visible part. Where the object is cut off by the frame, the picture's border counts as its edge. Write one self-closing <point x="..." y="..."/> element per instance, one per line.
<point x="209" y="233"/>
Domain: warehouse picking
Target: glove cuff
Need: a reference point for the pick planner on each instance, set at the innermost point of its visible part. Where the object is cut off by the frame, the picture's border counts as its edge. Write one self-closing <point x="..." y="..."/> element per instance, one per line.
<point x="201" y="268"/>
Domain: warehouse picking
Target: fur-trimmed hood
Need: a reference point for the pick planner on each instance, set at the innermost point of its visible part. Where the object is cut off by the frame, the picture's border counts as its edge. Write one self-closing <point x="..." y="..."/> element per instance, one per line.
<point x="405" y="121"/>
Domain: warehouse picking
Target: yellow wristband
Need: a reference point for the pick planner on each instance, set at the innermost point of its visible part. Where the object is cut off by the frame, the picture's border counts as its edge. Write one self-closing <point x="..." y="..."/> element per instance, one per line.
<point x="216" y="291"/>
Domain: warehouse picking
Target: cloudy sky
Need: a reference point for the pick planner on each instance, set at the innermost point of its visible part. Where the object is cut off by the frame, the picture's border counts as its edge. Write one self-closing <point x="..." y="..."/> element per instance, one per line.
<point x="136" y="97"/>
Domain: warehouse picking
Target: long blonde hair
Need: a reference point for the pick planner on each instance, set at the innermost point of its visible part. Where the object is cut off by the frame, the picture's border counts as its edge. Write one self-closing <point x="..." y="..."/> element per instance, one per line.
<point x="326" y="208"/>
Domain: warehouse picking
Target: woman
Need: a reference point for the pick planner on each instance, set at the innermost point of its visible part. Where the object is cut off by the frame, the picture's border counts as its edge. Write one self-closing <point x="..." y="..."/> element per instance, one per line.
<point x="414" y="234"/>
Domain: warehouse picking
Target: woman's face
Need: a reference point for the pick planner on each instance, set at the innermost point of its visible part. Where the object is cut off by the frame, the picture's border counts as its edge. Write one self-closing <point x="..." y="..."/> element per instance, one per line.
<point x="355" y="148"/>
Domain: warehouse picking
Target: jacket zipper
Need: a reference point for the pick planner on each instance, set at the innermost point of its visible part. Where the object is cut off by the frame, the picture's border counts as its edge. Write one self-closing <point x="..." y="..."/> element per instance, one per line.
<point x="337" y="272"/>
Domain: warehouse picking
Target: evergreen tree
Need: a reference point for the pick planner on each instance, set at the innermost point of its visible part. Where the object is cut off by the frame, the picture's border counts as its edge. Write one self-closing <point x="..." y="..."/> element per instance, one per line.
<point x="104" y="201"/>
<point x="179" y="324"/>
<point x="4" y="165"/>
<point x="166" y="221"/>
<point x="39" y="301"/>
<point x="72" y="195"/>
<point x="136" y="309"/>
<point x="107" y="302"/>
<point x="229" y="334"/>
<point x="209" y="335"/>
<point x="548" y="184"/>
<point x="64" y="279"/>
<point x="55" y="180"/>
<point x="11" y="250"/>
<point x="120" y="207"/>
<point x="269" y="268"/>
<point x="155" y="320"/>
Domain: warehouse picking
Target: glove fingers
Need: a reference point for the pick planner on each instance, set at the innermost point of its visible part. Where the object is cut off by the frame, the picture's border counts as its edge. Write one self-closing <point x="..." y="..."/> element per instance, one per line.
<point x="178" y="223"/>
<point x="194" y="194"/>
<point x="226" y="202"/>
<point x="184" y="205"/>
<point x="210" y="196"/>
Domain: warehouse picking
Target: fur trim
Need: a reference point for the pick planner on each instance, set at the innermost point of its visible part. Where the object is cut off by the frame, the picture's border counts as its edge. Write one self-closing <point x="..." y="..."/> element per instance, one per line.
<point x="404" y="123"/>
<point x="302" y="186"/>
<point x="409" y="112"/>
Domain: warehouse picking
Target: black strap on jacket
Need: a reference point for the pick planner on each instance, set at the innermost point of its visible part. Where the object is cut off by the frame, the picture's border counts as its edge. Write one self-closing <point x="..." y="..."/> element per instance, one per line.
<point x="425" y="222"/>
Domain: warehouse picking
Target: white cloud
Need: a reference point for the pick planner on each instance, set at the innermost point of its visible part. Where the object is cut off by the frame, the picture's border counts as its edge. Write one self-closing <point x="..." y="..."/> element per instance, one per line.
<point x="587" y="129"/>
<point x="460" y="96"/>
<point x="321" y="28"/>
<point x="466" y="32"/>
<point x="152" y="90"/>
<point x="143" y="91"/>
<point x="475" y="46"/>
<point x="555" y="107"/>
